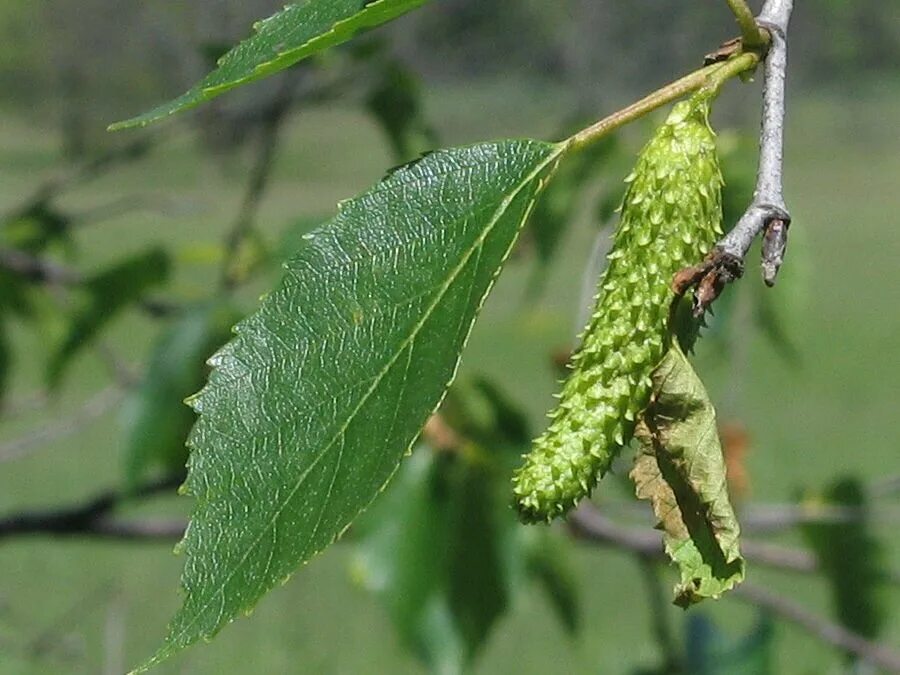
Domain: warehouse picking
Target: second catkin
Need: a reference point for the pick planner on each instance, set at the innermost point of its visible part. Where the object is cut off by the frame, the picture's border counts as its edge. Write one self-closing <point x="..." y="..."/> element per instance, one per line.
<point x="671" y="217"/>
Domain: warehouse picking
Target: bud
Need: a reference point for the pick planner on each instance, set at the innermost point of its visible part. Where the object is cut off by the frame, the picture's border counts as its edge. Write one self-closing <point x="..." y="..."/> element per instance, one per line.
<point x="671" y="217"/>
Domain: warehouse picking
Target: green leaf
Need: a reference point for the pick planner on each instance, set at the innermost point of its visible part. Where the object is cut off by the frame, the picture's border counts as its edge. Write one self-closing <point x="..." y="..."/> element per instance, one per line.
<point x="157" y="422"/>
<point x="5" y="357"/>
<point x="852" y="558"/>
<point x="481" y="412"/>
<point x="680" y="469"/>
<point x="108" y="293"/>
<point x="432" y="551"/>
<point x="309" y="410"/>
<point x="549" y="565"/>
<point x="36" y="228"/>
<point x="293" y="34"/>
<point x="395" y="103"/>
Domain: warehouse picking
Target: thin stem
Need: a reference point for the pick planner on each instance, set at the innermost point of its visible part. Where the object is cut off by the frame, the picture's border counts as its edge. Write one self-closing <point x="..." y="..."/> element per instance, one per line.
<point x="832" y="633"/>
<point x="731" y="68"/>
<point x="94" y="516"/>
<point x="712" y="75"/>
<point x="767" y="213"/>
<point x="256" y="186"/>
<point x="751" y="34"/>
<point x="587" y="523"/>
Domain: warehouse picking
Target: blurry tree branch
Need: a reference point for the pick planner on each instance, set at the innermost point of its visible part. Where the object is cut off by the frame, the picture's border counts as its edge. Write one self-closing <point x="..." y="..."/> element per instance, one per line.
<point x="86" y="171"/>
<point x="92" y="409"/>
<point x="751" y="34"/>
<point x="767" y="212"/>
<point x="873" y="653"/>
<point x="93" y="518"/>
<point x="587" y="523"/>
<point x="41" y="270"/>
<point x="272" y="119"/>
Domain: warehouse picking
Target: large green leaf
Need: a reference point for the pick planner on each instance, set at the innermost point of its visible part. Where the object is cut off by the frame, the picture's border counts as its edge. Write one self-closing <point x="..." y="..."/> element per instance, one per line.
<point x="157" y="421"/>
<point x="309" y="410"/>
<point x="296" y="32"/>
<point x="681" y="471"/>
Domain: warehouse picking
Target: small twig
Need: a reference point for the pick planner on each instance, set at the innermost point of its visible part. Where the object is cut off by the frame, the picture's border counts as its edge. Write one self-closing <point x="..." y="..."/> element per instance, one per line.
<point x="271" y="124"/>
<point x="586" y="522"/>
<point x="93" y="168"/>
<point x="38" y="270"/>
<point x="833" y="633"/>
<point x="124" y="374"/>
<point x="92" y="518"/>
<point x="779" y="517"/>
<point x="751" y="34"/>
<point x="767" y="212"/>
<point x="94" y="408"/>
<point x="47" y="272"/>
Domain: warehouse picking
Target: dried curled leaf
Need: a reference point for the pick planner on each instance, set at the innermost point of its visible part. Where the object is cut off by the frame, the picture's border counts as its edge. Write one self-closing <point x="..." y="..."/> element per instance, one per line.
<point x="680" y="469"/>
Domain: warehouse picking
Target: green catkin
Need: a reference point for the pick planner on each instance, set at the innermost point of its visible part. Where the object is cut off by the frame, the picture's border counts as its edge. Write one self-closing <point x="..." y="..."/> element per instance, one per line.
<point x="671" y="216"/>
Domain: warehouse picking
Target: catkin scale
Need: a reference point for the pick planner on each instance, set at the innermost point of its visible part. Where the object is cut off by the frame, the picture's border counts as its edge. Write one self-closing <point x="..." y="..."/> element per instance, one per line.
<point x="671" y="217"/>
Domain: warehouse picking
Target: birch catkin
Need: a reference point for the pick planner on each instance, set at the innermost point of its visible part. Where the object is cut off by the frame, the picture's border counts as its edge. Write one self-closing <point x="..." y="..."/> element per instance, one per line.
<point x="671" y="216"/>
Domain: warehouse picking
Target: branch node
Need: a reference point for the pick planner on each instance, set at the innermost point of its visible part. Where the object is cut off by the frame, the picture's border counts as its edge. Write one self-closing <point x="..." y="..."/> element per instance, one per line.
<point x="774" y="244"/>
<point x="709" y="278"/>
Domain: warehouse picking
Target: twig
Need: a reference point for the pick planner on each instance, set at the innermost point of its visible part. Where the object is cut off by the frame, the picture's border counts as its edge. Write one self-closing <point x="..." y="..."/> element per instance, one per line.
<point x="767" y="212"/>
<point x="92" y="518"/>
<point x="586" y="522"/>
<point x="39" y="270"/>
<point x="124" y="374"/>
<point x="833" y="633"/>
<point x="752" y="35"/>
<point x="778" y="517"/>
<point x="94" y="408"/>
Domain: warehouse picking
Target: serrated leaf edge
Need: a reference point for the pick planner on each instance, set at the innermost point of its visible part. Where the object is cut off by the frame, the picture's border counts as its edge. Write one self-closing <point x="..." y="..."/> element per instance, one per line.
<point x="197" y="95"/>
<point x="552" y="161"/>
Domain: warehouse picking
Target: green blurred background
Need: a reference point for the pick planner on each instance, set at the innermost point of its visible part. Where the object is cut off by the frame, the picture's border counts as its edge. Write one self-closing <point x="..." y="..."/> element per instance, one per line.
<point x="485" y="69"/>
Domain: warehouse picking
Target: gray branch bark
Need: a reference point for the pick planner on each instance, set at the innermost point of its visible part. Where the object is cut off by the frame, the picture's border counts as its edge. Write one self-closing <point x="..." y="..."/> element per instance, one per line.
<point x="768" y="212"/>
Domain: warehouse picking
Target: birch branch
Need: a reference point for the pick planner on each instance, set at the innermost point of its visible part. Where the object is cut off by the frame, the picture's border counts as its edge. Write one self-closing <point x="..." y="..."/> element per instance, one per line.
<point x="767" y="213"/>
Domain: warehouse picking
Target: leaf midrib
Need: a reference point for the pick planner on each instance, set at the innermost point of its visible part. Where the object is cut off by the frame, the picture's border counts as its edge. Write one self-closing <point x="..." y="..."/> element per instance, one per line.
<point x="504" y="205"/>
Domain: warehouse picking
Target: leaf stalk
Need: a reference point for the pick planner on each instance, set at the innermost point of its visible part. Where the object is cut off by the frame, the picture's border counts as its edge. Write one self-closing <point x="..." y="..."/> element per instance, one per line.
<point x="713" y="75"/>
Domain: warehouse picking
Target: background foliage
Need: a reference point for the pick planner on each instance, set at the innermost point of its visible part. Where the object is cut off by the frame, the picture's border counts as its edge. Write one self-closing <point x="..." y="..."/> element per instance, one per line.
<point x="803" y="370"/>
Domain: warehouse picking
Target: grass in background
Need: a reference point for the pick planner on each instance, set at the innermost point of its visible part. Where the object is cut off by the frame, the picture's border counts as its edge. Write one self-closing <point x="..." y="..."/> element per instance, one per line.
<point x="85" y="607"/>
